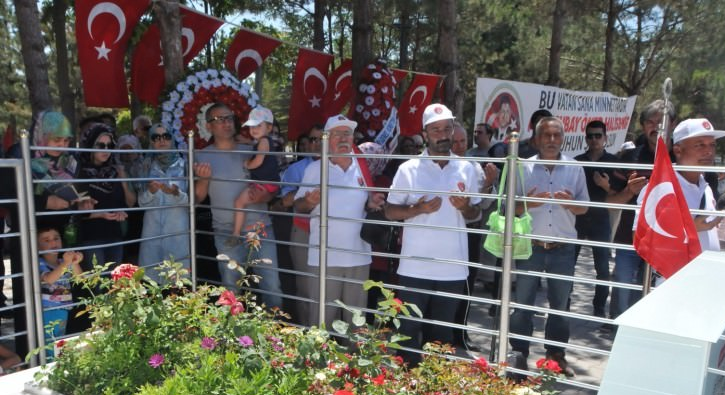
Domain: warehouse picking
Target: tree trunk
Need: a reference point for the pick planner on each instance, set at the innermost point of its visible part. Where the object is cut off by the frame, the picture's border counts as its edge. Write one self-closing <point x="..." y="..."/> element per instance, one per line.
<point x="67" y="99"/>
<point x="362" y="40"/>
<point x="608" y="45"/>
<point x="167" y="14"/>
<point x="448" y="56"/>
<point x="557" y="29"/>
<point x="36" y="63"/>
<point x="318" y="25"/>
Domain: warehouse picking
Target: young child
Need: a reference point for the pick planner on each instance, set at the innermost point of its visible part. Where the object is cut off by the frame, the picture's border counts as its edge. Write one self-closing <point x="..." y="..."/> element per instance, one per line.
<point x="55" y="279"/>
<point x="261" y="168"/>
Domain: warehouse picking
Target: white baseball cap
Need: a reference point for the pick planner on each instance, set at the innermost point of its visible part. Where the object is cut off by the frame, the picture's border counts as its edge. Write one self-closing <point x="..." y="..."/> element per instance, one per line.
<point x="436" y="112"/>
<point x="339" y="120"/>
<point x="258" y="115"/>
<point x="696" y="127"/>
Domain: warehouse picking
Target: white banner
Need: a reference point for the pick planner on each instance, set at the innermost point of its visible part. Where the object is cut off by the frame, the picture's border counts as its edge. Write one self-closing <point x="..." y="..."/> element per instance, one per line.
<point x="508" y="105"/>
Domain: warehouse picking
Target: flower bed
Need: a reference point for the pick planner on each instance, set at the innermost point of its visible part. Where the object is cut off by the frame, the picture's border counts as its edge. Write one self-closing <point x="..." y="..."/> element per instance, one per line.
<point x="164" y="339"/>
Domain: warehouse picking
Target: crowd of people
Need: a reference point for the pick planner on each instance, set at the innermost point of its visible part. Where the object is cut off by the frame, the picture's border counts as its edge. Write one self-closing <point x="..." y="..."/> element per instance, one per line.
<point x="134" y="207"/>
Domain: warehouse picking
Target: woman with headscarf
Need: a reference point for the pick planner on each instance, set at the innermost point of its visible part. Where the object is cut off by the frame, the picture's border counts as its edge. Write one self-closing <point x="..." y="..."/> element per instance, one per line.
<point x="169" y="189"/>
<point x="103" y="227"/>
<point x="52" y="130"/>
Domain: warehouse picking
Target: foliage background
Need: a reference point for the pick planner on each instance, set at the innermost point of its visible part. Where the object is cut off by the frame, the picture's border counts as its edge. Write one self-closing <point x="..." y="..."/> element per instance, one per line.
<point x="505" y="39"/>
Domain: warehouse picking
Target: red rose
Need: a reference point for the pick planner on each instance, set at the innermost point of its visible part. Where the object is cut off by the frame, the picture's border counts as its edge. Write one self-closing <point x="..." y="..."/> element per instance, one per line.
<point x="124" y="270"/>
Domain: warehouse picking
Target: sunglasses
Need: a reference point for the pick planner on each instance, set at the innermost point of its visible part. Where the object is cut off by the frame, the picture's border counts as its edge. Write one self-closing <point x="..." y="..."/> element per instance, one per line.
<point x="221" y="119"/>
<point x="110" y="145"/>
<point x="594" y="136"/>
<point x="163" y="136"/>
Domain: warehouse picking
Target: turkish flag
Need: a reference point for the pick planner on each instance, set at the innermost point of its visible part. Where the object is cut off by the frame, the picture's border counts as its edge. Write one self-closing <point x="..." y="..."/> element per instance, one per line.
<point x="418" y="96"/>
<point x="665" y="236"/>
<point x="103" y="29"/>
<point x="247" y="52"/>
<point x="340" y="92"/>
<point x="399" y="75"/>
<point x="309" y="86"/>
<point x="147" y="63"/>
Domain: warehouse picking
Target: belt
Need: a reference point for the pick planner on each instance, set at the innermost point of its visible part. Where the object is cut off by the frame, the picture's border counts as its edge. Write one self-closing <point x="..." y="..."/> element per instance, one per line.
<point x="547" y="245"/>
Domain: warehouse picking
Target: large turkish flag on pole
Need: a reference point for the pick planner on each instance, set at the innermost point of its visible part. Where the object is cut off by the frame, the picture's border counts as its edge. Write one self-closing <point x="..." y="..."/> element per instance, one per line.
<point x="418" y="96"/>
<point x="103" y="29"/>
<point x="665" y="236"/>
<point x="147" y="63"/>
<point x="309" y="86"/>
<point x="340" y="89"/>
<point x="247" y="52"/>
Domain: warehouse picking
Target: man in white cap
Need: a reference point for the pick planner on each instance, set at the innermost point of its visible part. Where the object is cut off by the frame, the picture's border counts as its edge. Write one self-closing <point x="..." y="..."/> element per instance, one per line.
<point x="694" y="145"/>
<point x="420" y="195"/>
<point x="349" y="202"/>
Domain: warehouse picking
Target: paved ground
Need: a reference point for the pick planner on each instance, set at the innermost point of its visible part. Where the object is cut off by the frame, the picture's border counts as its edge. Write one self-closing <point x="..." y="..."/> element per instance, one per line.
<point x="589" y="367"/>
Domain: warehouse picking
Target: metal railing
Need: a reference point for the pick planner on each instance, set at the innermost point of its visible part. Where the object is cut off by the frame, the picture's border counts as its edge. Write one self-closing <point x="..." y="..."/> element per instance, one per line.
<point x="499" y="332"/>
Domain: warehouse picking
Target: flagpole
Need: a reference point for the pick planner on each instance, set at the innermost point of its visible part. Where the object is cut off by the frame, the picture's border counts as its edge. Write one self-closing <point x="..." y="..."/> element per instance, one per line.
<point x="664" y="133"/>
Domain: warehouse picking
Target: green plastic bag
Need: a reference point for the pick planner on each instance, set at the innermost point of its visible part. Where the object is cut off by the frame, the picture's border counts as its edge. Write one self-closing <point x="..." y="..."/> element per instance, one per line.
<point x="497" y="223"/>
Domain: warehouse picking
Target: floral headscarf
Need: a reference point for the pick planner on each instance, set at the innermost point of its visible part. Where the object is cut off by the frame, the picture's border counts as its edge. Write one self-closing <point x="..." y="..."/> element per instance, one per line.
<point x="49" y="125"/>
<point x="376" y="165"/>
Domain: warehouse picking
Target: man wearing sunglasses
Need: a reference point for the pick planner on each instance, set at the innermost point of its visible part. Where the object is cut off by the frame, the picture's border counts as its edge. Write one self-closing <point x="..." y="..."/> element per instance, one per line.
<point x="594" y="224"/>
<point x="141" y="128"/>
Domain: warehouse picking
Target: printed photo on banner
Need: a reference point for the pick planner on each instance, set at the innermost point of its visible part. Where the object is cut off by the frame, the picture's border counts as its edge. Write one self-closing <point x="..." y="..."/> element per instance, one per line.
<point x="508" y="105"/>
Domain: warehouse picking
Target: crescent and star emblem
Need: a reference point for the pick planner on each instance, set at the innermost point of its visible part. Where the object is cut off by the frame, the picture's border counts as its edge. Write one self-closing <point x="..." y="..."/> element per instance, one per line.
<point x="423" y="89"/>
<point x="313" y="72"/>
<point x="116" y="12"/>
<point x="347" y="74"/>
<point x="247" y="53"/>
<point x="659" y="192"/>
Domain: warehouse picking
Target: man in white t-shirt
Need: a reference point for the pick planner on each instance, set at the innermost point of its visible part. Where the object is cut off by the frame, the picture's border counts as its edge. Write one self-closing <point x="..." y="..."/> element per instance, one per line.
<point x="694" y="145"/>
<point x="433" y="259"/>
<point x="345" y="200"/>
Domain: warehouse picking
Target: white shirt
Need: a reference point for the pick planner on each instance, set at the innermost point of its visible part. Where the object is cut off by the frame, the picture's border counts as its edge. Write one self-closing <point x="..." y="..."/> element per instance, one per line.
<point x="551" y="219"/>
<point x="424" y="174"/>
<point x="693" y="195"/>
<point x="342" y="203"/>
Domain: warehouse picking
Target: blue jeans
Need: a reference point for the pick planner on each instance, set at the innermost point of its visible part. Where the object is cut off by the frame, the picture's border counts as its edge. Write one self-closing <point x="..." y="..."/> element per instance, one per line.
<point x="559" y="260"/>
<point x="268" y="271"/>
<point x="628" y="269"/>
<point x="598" y="232"/>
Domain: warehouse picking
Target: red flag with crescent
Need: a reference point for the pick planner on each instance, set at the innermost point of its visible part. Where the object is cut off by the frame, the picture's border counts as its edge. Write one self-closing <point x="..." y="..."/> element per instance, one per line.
<point x="247" y="52"/>
<point x="399" y="75"/>
<point x="416" y="98"/>
<point x="103" y="29"/>
<point x="665" y="236"/>
<point x="309" y="87"/>
<point x="340" y="89"/>
<point x="147" y="63"/>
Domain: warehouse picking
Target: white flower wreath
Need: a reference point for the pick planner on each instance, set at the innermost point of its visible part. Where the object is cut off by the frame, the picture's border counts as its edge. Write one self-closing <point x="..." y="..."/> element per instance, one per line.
<point x="186" y="105"/>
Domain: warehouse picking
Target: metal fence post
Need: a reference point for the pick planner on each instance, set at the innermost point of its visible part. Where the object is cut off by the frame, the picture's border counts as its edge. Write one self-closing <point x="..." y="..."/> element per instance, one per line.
<point x="192" y="210"/>
<point x="324" y="173"/>
<point x="512" y="162"/>
<point x="29" y="245"/>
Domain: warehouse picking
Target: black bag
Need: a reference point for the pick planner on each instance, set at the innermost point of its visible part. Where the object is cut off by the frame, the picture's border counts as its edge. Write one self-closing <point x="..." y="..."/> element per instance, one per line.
<point x="378" y="235"/>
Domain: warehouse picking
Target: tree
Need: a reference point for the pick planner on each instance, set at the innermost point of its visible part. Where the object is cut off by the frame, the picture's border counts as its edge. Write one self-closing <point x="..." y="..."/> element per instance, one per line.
<point x="169" y="19"/>
<point x="65" y="91"/>
<point x="34" y="59"/>
<point x="557" y="28"/>
<point x="362" y="39"/>
<point x="448" y="56"/>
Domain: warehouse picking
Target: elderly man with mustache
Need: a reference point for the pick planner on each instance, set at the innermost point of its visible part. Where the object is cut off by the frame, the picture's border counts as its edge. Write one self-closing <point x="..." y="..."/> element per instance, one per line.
<point x="345" y="200"/>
